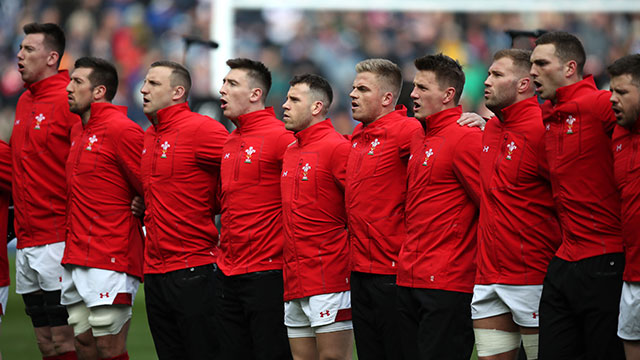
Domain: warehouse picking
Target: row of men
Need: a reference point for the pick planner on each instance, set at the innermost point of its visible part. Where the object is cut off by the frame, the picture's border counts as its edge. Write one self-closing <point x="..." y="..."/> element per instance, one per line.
<point x="441" y="218"/>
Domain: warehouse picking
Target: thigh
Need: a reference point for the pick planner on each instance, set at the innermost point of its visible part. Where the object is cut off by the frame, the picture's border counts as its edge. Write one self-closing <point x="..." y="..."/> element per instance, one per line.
<point x="629" y="320"/>
<point x="4" y="296"/>
<point x="523" y="301"/>
<point x="445" y="330"/>
<point x="162" y="319"/>
<point x="39" y="268"/>
<point x="408" y="310"/>
<point x="486" y="303"/>
<point x="235" y="340"/>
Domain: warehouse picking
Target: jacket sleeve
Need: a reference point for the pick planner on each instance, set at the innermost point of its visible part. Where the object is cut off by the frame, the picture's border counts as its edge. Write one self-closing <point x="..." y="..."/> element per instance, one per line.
<point x="339" y="159"/>
<point x="210" y="138"/>
<point x="605" y="112"/>
<point x="284" y="141"/>
<point x="466" y="164"/>
<point x="5" y="167"/>
<point x="129" y="155"/>
<point x="407" y="133"/>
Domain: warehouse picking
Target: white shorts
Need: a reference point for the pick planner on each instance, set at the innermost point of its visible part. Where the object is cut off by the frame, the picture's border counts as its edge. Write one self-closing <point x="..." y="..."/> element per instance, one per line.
<point x="318" y="314"/>
<point x="97" y="287"/>
<point x="629" y="319"/>
<point x="4" y="296"/>
<point x="522" y="301"/>
<point x="38" y="268"/>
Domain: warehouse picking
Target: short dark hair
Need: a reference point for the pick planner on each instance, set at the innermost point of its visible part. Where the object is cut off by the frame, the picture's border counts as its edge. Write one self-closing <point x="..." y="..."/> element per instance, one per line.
<point x="567" y="47"/>
<point x="448" y="72"/>
<point x="521" y="58"/>
<point x="102" y="73"/>
<point x="256" y="70"/>
<point x="53" y="36"/>
<point x="179" y="75"/>
<point x="629" y="64"/>
<point x="318" y="85"/>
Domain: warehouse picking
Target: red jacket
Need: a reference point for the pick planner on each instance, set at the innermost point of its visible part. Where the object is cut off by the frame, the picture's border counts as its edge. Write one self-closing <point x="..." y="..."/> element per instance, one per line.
<point x="518" y="231"/>
<point x="443" y="194"/>
<point x="179" y="168"/>
<point x="251" y="168"/>
<point x="5" y="197"/>
<point x="316" y="247"/>
<point x="375" y="191"/>
<point x="578" y="148"/>
<point x="103" y="175"/>
<point x="39" y="148"/>
<point x="626" y="157"/>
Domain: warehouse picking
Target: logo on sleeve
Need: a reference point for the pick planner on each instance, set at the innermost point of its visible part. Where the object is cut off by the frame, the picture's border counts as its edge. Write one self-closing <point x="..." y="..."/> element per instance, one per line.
<point x="374" y="144"/>
<point x="427" y="155"/>
<point x="249" y="152"/>
<point x="92" y="140"/>
<point x="226" y="156"/>
<point x="485" y="149"/>
<point x="548" y="127"/>
<point x="164" y="147"/>
<point x="285" y="173"/>
<point x="17" y="122"/>
<point x="144" y="151"/>
<point x="305" y="170"/>
<point x="352" y="145"/>
<point x="510" y="148"/>
<point x="570" y="120"/>
<point x="39" y="119"/>
<point x="618" y="147"/>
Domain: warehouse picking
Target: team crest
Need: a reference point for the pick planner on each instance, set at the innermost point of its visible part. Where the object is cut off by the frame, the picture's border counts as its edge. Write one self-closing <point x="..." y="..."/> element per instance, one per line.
<point x="510" y="148"/>
<point x="374" y="143"/>
<point x="305" y="170"/>
<point x="249" y="152"/>
<point x="570" y="120"/>
<point x="427" y="155"/>
<point x="90" y="142"/>
<point x="164" y="147"/>
<point x="39" y="120"/>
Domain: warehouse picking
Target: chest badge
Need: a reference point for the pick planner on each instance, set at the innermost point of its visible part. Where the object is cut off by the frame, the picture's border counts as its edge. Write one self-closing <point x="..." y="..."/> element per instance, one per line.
<point x="427" y="155"/>
<point x="305" y="170"/>
<point x="374" y="144"/>
<point x="510" y="148"/>
<point x="39" y="119"/>
<point x="570" y="120"/>
<point x="249" y="152"/>
<point x="164" y="147"/>
<point x="92" y="140"/>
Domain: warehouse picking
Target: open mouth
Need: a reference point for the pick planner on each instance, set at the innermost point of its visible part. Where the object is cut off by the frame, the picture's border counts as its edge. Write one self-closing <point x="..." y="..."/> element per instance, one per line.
<point x="223" y="104"/>
<point x="416" y="107"/>
<point x="538" y="85"/>
<point x="20" y="67"/>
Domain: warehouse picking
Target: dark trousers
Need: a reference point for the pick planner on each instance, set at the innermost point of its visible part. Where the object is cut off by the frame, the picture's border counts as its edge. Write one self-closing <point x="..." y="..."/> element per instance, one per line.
<point x="435" y="324"/>
<point x="250" y="311"/>
<point x="180" y="310"/>
<point x="375" y="316"/>
<point x="579" y="309"/>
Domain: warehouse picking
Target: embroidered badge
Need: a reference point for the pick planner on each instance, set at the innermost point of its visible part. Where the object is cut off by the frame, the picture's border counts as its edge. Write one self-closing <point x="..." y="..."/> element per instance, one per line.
<point x="305" y="170"/>
<point x="427" y="155"/>
<point x="485" y="149"/>
<point x="510" y="147"/>
<point x="374" y="143"/>
<point x="92" y="140"/>
<point x="570" y="120"/>
<point x="164" y="147"/>
<point x="39" y="119"/>
<point x="250" y="151"/>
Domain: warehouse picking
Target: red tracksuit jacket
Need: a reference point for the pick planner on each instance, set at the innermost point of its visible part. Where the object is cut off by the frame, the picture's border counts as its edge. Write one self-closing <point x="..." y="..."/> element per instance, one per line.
<point x="251" y="217"/>
<point x="103" y="176"/>
<point x="518" y="232"/>
<point x="626" y="157"/>
<point x="316" y="247"/>
<point x="375" y="191"/>
<point x="180" y="167"/>
<point x="443" y="195"/>
<point x="578" y="148"/>
<point x="39" y="148"/>
<point x="5" y="197"/>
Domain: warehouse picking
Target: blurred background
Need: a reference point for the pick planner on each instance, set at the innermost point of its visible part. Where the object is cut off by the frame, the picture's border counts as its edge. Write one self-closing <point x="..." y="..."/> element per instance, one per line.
<point x="289" y="41"/>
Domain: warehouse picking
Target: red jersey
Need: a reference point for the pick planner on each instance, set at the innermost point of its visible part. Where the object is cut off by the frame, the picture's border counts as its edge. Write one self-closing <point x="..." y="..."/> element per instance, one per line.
<point x="5" y="197"/>
<point x="443" y="194"/>
<point x="375" y="191"/>
<point x="626" y="157"/>
<point x="577" y="144"/>
<point x="518" y="232"/>
<point x="103" y="176"/>
<point x="316" y="247"/>
<point x="39" y="148"/>
<point x="252" y="238"/>
<point x="180" y="170"/>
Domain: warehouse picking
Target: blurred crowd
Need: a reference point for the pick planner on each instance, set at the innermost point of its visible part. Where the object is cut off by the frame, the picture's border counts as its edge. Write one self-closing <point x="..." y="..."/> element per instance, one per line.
<point x="133" y="34"/>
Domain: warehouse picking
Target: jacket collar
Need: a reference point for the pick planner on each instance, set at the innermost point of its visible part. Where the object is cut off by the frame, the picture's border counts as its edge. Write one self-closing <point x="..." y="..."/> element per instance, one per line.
<point x="100" y="113"/>
<point x="170" y="115"/>
<point x="569" y="92"/>
<point x="60" y="80"/>
<point x="314" y="133"/>
<point x="256" y="119"/>
<point x="400" y="111"/>
<point x="514" y="112"/>
<point x="442" y="119"/>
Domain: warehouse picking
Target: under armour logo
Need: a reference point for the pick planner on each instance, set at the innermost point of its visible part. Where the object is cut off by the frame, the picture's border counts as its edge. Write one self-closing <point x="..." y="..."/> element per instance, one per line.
<point x="285" y="173"/>
<point x="324" y="313"/>
<point x="619" y="147"/>
<point x="104" y="295"/>
<point x="352" y="145"/>
<point x="535" y="315"/>
<point x="485" y="149"/>
<point x="548" y="127"/>
<point x="144" y="151"/>
<point x="17" y="122"/>
<point x="226" y="156"/>
<point x="410" y="156"/>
